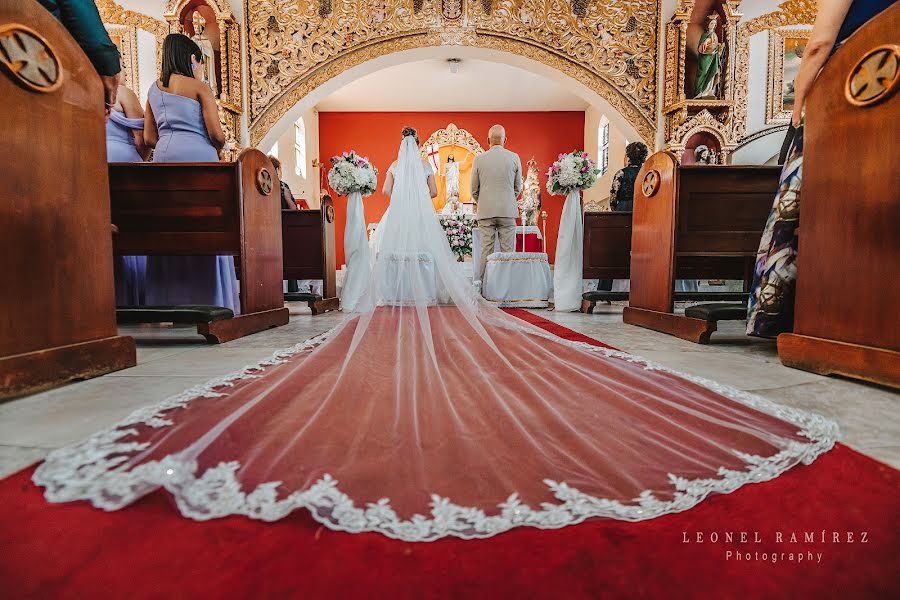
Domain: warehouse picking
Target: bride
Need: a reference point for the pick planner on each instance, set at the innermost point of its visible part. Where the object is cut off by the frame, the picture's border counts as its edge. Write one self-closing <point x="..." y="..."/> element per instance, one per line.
<point x="428" y="412"/>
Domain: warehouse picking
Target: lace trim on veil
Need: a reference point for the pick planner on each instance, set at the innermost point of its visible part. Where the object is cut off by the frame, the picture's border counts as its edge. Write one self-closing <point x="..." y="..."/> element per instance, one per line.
<point x="95" y="470"/>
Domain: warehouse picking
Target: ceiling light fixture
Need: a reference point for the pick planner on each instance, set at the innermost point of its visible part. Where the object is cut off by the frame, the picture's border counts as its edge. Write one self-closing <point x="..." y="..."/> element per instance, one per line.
<point x="454" y="64"/>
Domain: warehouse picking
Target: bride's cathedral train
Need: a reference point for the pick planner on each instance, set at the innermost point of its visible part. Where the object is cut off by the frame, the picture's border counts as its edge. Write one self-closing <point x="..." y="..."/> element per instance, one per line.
<point x="420" y="416"/>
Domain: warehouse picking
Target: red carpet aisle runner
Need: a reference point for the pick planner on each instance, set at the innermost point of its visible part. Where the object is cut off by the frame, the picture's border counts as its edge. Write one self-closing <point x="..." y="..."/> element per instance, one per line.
<point x="149" y="551"/>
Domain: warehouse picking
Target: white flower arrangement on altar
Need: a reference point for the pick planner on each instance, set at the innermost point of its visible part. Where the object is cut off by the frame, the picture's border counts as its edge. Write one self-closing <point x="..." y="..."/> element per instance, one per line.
<point x="572" y="172"/>
<point x="351" y="173"/>
<point x="459" y="230"/>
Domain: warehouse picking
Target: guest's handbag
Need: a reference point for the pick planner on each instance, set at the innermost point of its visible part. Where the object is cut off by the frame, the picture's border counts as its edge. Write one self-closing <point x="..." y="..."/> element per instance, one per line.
<point x="786" y="145"/>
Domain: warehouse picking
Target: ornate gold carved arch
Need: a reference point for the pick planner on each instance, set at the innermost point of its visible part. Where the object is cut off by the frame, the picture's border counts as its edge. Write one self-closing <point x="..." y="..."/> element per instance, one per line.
<point x="113" y="14"/>
<point x="453" y="136"/>
<point x="221" y="8"/>
<point x="790" y="13"/>
<point x="295" y="47"/>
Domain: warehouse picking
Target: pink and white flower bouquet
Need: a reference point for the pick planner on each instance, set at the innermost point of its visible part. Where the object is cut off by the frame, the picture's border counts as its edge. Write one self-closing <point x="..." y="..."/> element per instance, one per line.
<point x="351" y="173"/>
<point x="572" y="172"/>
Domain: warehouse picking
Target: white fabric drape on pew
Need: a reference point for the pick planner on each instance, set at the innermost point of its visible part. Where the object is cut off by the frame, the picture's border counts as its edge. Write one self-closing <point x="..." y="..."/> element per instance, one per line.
<point x="356" y="253"/>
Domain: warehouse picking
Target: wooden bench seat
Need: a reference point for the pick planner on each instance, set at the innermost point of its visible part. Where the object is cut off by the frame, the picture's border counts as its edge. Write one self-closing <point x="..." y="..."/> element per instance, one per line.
<point x="208" y="209"/>
<point x="693" y="222"/>
<point x="308" y="241"/>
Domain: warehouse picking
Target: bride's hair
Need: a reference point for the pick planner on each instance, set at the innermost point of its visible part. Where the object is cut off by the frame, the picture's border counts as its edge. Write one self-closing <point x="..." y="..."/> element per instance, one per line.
<point x="410" y="132"/>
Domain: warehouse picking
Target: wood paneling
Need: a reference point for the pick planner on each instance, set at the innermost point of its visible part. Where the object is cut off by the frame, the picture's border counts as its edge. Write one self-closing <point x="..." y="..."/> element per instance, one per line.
<point x="55" y="234"/>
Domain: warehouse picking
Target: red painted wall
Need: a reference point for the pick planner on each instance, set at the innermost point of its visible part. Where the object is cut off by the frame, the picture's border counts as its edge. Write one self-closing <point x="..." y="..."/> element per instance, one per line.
<point x="541" y="135"/>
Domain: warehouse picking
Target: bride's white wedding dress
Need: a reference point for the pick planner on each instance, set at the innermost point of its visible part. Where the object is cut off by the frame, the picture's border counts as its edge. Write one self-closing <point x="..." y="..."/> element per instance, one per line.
<point x="429" y="412"/>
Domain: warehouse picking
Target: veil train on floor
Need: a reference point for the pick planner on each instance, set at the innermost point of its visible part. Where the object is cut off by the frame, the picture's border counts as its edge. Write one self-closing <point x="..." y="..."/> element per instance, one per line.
<point x="428" y="412"/>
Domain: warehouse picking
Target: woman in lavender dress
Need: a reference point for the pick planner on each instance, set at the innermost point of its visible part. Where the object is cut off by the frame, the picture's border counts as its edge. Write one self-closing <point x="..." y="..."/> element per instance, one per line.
<point x="125" y="143"/>
<point x="182" y="124"/>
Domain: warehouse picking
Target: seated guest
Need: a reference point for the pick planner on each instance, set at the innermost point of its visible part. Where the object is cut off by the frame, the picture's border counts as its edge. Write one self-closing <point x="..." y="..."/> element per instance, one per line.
<point x="82" y="20"/>
<point x="621" y="194"/>
<point x="125" y="143"/>
<point x="288" y="202"/>
<point x="770" y="310"/>
<point x="182" y="124"/>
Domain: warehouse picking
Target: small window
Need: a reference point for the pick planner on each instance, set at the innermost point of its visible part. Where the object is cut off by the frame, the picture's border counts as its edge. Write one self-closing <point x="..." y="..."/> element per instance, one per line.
<point x="603" y="146"/>
<point x="300" y="148"/>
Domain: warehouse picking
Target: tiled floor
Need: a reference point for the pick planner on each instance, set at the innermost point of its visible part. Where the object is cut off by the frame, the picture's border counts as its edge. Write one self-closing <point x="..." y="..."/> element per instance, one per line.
<point x="173" y="359"/>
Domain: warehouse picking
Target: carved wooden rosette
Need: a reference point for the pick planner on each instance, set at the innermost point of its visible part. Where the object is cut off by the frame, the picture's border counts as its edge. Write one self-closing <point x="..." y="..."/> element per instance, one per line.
<point x="684" y="116"/>
<point x="293" y="47"/>
<point x="231" y="89"/>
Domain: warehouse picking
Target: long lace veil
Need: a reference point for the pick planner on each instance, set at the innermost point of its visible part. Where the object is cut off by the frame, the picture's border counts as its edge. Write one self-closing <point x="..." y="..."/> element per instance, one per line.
<point x="429" y="412"/>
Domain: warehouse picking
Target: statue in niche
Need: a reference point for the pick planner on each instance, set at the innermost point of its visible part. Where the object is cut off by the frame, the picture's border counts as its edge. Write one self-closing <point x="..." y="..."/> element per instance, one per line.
<point x="451" y="179"/>
<point x="209" y="57"/>
<point x="710" y="59"/>
<point x="530" y="202"/>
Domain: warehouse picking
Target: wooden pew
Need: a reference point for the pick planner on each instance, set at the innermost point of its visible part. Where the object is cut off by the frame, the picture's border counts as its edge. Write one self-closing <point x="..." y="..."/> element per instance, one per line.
<point x="693" y="222"/>
<point x="208" y="209"/>
<point x="308" y="239"/>
<point x="57" y="304"/>
<point x="848" y="261"/>
<point x="607" y="255"/>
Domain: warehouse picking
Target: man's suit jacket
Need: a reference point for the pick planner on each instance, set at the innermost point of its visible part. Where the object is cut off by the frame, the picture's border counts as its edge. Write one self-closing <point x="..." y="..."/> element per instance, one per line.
<point x="496" y="183"/>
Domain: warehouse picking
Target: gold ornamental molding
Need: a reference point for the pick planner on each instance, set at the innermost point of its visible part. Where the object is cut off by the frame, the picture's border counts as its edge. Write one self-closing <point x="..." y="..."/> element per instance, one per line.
<point x="294" y="47"/>
<point x="686" y="113"/>
<point x="113" y="14"/>
<point x="128" y="48"/>
<point x="452" y="136"/>
<point x="792" y="13"/>
<point x="220" y="8"/>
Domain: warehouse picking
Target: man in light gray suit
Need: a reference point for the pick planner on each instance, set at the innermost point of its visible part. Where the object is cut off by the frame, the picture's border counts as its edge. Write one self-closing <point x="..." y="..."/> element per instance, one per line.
<point x="496" y="183"/>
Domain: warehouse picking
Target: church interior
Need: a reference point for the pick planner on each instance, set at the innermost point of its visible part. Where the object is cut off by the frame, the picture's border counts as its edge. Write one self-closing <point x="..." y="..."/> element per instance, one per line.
<point x="702" y="111"/>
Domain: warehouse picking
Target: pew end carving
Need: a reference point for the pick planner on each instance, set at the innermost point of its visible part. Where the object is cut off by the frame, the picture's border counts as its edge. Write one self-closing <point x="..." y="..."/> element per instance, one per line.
<point x="208" y="209"/>
<point x="57" y="305"/>
<point x="848" y="259"/>
<point x="692" y="222"/>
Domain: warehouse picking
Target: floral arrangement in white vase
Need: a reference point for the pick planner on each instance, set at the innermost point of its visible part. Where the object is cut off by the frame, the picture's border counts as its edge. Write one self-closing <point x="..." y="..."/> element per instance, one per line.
<point x="572" y="172"/>
<point x="459" y="230"/>
<point x="351" y="173"/>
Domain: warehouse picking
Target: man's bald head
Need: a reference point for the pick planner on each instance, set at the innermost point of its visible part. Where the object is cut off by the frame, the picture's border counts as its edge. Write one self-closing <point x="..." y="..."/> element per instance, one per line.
<point x="497" y="135"/>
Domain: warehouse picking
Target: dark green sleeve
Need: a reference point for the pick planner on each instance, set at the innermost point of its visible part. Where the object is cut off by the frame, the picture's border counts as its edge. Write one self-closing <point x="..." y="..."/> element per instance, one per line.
<point x="82" y="20"/>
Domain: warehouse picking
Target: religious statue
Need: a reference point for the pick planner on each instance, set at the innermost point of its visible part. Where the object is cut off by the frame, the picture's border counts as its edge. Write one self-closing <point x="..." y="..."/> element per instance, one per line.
<point x="704" y="156"/>
<point x="451" y="179"/>
<point x="530" y="202"/>
<point x="209" y="57"/>
<point x="710" y="59"/>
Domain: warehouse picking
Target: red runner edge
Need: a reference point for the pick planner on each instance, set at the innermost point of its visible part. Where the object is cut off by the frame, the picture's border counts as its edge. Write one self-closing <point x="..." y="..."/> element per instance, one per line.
<point x="827" y="530"/>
